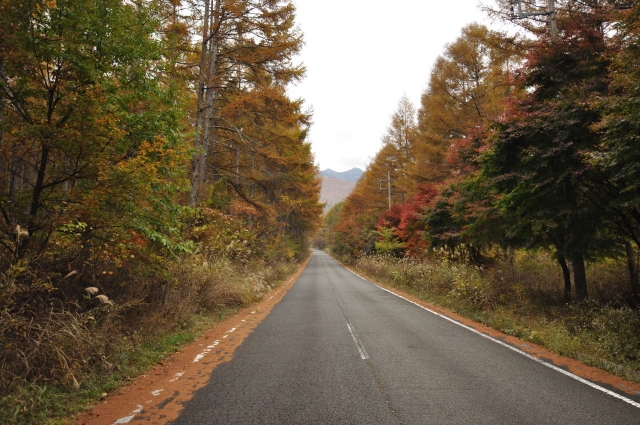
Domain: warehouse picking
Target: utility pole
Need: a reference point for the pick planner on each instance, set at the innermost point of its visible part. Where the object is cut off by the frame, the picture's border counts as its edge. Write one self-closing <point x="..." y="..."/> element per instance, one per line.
<point x="388" y="188"/>
<point x="550" y="13"/>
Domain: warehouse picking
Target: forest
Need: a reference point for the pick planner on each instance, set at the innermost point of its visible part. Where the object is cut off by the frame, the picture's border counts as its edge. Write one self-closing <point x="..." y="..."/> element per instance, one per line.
<point x="154" y="175"/>
<point x="510" y="193"/>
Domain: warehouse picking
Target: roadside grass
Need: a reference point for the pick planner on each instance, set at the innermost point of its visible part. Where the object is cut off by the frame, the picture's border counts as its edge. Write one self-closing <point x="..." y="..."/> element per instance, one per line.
<point x="524" y="298"/>
<point x="37" y="403"/>
<point x="123" y="341"/>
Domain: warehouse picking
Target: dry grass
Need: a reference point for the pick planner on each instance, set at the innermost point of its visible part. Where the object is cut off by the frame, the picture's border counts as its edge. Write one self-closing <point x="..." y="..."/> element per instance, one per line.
<point x="57" y="354"/>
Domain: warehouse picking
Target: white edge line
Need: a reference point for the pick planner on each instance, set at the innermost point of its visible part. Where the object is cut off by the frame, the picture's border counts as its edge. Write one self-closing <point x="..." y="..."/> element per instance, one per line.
<point x="504" y="344"/>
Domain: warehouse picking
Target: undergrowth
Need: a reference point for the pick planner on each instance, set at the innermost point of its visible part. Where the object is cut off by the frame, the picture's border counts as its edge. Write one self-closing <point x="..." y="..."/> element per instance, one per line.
<point x="524" y="298"/>
<point x="70" y="352"/>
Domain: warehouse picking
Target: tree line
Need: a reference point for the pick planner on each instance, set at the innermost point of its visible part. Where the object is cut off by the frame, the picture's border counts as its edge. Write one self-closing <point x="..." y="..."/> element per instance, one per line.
<point x="524" y="141"/>
<point x="133" y="135"/>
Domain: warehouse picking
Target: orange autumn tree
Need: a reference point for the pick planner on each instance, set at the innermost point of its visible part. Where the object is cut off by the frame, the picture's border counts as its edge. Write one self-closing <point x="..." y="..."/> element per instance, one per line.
<point x="468" y="88"/>
<point x="250" y="138"/>
<point x="355" y="233"/>
<point x="245" y="46"/>
<point x="262" y="159"/>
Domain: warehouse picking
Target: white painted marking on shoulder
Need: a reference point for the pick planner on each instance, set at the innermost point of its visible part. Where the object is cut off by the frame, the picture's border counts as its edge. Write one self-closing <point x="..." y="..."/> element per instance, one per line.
<point x="359" y="346"/>
<point x="231" y="330"/>
<point x="504" y="344"/>
<point x="157" y="392"/>
<point x="124" y="420"/>
<point x="177" y="376"/>
<point x="129" y="418"/>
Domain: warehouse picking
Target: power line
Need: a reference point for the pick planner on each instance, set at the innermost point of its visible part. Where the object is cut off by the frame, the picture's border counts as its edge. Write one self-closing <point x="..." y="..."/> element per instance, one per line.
<point x="388" y="188"/>
<point x="550" y="13"/>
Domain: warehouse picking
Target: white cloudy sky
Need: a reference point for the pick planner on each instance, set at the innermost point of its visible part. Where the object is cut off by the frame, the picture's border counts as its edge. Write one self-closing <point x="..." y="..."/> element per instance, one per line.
<point x="361" y="58"/>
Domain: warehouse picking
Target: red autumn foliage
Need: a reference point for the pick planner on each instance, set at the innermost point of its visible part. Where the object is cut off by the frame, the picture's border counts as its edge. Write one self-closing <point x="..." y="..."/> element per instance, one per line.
<point x="406" y="220"/>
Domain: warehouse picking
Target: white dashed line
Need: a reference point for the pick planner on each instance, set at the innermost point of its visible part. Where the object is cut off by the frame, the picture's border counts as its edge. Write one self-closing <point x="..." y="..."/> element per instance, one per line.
<point x="178" y="376"/>
<point x="206" y="350"/>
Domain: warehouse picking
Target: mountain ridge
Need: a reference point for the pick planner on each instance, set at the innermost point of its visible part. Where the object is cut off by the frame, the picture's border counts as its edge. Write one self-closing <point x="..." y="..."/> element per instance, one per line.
<point x="351" y="175"/>
<point x="334" y="190"/>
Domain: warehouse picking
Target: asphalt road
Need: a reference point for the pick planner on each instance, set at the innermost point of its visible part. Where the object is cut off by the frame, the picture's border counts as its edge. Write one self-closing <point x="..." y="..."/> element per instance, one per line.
<point x="340" y="350"/>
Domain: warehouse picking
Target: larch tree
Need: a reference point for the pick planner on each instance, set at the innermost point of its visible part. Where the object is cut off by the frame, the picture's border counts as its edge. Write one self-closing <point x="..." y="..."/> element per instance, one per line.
<point x="355" y="232"/>
<point x="468" y="88"/>
<point x="246" y="45"/>
<point x="400" y="137"/>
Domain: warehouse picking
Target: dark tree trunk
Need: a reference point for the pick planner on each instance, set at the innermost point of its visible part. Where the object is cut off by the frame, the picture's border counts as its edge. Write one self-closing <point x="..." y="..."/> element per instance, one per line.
<point x="36" y="202"/>
<point x="566" y="275"/>
<point x="633" y="271"/>
<point x="579" y="276"/>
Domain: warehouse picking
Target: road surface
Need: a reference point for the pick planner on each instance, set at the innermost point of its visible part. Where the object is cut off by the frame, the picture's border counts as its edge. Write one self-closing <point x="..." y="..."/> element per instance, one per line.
<point x="340" y="350"/>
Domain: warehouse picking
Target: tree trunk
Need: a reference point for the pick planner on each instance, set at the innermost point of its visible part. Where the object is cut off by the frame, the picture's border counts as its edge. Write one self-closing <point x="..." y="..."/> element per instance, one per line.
<point x="36" y="202"/>
<point x="579" y="276"/>
<point x="209" y="134"/>
<point x="206" y="99"/>
<point x="633" y="271"/>
<point x="575" y="246"/>
<point x="566" y="275"/>
<point x="197" y="156"/>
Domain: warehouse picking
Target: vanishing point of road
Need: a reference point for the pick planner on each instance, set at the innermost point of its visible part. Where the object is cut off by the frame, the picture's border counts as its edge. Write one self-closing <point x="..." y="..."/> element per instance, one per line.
<point x="340" y="350"/>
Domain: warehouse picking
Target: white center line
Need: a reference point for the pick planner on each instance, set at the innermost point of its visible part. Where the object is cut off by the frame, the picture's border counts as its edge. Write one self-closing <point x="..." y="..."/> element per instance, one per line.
<point x="359" y="346"/>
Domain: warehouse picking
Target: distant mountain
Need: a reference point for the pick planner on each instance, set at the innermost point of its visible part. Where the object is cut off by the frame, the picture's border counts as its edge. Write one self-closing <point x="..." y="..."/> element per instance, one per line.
<point x="352" y="175"/>
<point x="334" y="190"/>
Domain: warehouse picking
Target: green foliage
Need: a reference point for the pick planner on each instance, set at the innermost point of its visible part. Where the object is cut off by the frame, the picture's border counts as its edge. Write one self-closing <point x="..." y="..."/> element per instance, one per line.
<point x="618" y="153"/>
<point x="387" y="242"/>
<point x="94" y="133"/>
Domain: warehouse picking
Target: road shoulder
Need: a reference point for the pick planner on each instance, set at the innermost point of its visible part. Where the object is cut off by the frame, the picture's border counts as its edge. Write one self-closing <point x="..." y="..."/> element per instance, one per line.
<point x="159" y="395"/>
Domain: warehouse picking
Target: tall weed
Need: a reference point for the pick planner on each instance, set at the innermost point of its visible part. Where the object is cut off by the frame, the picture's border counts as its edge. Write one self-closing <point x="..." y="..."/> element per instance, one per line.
<point x="58" y="352"/>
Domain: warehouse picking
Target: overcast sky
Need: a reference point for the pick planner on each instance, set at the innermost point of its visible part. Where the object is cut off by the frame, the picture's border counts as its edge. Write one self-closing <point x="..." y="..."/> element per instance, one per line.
<point x="361" y="58"/>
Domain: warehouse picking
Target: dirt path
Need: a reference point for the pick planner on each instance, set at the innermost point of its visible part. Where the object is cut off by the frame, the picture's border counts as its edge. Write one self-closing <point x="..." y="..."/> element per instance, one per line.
<point x="158" y="396"/>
